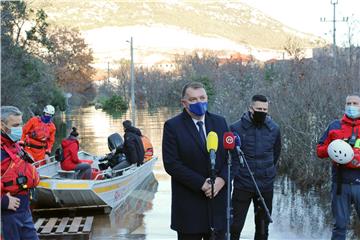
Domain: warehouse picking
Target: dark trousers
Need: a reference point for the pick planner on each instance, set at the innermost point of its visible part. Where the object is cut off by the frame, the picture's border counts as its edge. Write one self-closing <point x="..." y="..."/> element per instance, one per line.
<point x="18" y="225"/>
<point x="83" y="171"/>
<point x="240" y="202"/>
<point x="219" y="235"/>
<point x="341" y="208"/>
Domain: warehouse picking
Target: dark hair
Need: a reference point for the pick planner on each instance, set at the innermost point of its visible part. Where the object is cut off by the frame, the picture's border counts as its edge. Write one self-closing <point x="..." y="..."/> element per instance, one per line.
<point x="259" y="98"/>
<point x="194" y="85"/>
<point x="74" y="132"/>
<point x="127" y="124"/>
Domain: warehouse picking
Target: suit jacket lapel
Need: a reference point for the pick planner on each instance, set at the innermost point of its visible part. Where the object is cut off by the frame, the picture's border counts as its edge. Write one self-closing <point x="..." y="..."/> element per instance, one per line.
<point x="209" y="124"/>
<point x="192" y="129"/>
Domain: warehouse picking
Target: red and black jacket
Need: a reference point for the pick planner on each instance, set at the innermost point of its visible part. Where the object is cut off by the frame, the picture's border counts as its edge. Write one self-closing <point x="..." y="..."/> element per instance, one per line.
<point x="341" y="129"/>
<point x="13" y="167"/>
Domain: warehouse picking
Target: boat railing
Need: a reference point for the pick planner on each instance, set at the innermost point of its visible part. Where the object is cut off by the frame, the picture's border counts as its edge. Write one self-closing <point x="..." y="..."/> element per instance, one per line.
<point x="131" y="167"/>
<point x="38" y="163"/>
<point x="113" y="172"/>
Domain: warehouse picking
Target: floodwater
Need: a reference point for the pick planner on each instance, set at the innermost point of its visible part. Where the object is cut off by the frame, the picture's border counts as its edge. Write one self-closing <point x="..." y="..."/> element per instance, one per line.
<point x="146" y="212"/>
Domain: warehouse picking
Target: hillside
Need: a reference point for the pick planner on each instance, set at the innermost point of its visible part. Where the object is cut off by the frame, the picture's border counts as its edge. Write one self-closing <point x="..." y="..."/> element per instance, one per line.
<point x="229" y="23"/>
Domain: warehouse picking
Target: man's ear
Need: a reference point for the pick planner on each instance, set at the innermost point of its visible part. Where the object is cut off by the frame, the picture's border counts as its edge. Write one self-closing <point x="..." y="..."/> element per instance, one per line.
<point x="3" y="126"/>
<point x="183" y="102"/>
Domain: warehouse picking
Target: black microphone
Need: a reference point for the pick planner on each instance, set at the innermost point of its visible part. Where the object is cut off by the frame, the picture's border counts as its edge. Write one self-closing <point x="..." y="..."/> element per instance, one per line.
<point x="238" y="149"/>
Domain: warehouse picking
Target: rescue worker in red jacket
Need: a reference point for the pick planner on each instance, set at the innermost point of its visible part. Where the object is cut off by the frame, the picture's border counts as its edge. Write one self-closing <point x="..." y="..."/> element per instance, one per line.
<point x="39" y="135"/>
<point x="345" y="177"/>
<point x="71" y="160"/>
<point x="18" y="176"/>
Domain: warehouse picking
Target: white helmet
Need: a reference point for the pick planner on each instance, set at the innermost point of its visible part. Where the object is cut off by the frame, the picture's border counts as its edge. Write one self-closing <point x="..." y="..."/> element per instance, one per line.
<point x="340" y="151"/>
<point x="49" y="109"/>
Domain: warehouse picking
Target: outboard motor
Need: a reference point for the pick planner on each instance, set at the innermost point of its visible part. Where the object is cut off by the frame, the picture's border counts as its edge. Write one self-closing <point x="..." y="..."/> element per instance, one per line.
<point x="115" y="141"/>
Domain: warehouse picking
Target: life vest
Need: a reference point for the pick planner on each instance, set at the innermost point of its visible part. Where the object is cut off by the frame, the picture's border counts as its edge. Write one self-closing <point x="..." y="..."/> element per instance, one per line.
<point x="17" y="175"/>
<point x="38" y="134"/>
<point x="148" y="147"/>
<point x="94" y="174"/>
<point x="40" y="131"/>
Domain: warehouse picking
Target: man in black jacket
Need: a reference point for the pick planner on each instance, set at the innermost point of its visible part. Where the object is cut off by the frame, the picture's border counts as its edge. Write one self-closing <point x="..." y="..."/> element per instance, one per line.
<point x="133" y="146"/>
<point x="261" y="145"/>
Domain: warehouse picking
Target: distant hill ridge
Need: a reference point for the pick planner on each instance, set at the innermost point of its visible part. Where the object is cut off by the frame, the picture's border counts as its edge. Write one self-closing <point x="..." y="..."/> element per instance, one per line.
<point x="236" y="22"/>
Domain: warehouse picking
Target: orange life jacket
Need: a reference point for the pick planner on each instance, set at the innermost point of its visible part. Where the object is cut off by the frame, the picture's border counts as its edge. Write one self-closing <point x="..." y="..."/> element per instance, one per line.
<point x="94" y="174"/>
<point x="148" y="147"/>
<point x="37" y="134"/>
<point x="17" y="175"/>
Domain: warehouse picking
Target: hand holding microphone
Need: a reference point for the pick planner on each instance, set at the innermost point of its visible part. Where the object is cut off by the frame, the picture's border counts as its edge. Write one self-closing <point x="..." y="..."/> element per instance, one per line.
<point x="212" y="146"/>
<point x="218" y="185"/>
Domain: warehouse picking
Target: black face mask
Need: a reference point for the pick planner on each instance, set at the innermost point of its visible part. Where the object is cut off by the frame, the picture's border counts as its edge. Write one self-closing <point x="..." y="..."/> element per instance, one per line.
<point x="258" y="118"/>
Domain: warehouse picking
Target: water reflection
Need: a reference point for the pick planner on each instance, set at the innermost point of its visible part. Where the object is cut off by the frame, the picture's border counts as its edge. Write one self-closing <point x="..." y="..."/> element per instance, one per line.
<point x="297" y="215"/>
<point x="94" y="128"/>
<point x="127" y="221"/>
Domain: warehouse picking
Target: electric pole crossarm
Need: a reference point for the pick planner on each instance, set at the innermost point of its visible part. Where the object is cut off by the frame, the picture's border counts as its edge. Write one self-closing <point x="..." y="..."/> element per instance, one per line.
<point x="334" y="20"/>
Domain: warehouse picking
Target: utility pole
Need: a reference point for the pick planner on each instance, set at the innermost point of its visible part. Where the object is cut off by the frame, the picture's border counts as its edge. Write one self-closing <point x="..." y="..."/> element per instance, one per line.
<point x="334" y="3"/>
<point x="108" y="80"/>
<point x="132" y="82"/>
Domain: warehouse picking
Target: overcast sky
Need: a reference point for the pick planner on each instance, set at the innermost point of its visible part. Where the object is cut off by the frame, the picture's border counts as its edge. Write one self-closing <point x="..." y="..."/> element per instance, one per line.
<point x="304" y="15"/>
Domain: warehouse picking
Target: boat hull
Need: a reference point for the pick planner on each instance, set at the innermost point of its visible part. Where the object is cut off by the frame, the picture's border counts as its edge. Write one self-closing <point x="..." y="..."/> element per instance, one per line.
<point x="54" y="191"/>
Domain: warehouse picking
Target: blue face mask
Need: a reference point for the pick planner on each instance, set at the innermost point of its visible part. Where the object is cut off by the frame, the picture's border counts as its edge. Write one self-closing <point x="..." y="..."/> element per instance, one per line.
<point x="352" y="112"/>
<point x="45" y="119"/>
<point x="15" y="133"/>
<point x="199" y="108"/>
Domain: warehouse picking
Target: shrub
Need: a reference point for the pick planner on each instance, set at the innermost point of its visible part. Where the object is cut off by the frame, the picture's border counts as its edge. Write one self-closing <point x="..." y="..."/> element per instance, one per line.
<point x="115" y="104"/>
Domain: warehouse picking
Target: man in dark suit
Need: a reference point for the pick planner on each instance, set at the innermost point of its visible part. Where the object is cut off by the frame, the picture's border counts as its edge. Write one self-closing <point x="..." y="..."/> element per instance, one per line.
<point x="194" y="213"/>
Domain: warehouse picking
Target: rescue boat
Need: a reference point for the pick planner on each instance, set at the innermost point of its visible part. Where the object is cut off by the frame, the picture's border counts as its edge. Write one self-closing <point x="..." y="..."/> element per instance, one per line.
<point x="59" y="189"/>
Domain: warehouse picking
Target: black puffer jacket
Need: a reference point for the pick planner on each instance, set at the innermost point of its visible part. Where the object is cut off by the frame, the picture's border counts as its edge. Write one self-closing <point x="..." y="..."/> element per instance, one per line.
<point x="261" y="147"/>
<point x="133" y="147"/>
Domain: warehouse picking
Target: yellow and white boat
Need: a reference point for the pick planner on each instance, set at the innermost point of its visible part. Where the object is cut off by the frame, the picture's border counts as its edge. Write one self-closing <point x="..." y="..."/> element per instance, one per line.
<point x="58" y="190"/>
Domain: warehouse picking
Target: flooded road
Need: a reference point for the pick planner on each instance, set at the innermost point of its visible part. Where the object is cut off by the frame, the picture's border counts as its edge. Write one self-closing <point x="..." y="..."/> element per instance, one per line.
<point x="146" y="213"/>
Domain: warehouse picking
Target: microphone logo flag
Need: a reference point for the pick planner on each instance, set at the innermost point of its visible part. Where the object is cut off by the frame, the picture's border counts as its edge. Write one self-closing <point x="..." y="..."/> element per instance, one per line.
<point x="229" y="141"/>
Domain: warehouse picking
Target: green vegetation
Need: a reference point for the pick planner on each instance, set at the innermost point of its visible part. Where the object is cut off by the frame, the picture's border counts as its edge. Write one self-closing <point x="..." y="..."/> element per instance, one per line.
<point x="39" y="63"/>
<point x="27" y="81"/>
<point x="114" y="104"/>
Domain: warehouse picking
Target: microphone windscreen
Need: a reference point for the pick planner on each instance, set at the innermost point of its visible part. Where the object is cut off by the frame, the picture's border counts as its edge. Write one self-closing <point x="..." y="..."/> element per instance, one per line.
<point x="229" y="141"/>
<point x="212" y="141"/>
<point x="237" y="140"/>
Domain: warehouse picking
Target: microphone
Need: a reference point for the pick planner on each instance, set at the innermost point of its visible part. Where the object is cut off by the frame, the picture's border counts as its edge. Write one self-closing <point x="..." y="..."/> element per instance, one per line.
<point x="238" y="149"/>
<point x="229" y="141"/>
<point x="212" y="146"/>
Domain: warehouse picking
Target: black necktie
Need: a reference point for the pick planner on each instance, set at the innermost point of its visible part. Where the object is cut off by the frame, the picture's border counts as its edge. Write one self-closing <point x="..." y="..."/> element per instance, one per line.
<point x="201" y="132"/>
